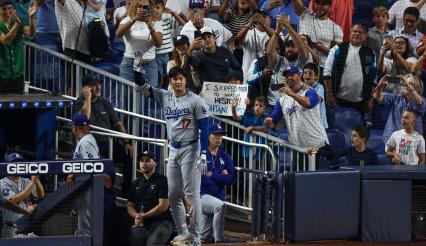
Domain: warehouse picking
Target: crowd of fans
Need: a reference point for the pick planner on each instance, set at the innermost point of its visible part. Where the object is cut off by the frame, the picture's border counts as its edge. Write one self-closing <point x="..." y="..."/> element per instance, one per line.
<point x="307" y="63"/>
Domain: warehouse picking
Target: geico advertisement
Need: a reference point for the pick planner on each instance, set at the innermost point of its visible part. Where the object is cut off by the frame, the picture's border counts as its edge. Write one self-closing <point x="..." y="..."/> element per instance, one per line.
<point x="45" y="168"/>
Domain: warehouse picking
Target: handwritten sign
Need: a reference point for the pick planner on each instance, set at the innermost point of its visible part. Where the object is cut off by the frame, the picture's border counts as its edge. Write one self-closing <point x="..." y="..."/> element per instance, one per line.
<point x="218" y="97"/>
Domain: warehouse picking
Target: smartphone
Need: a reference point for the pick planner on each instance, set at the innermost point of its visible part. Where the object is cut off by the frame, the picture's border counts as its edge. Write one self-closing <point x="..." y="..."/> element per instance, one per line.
<point x="276" y="87"/>
<point x="146" y="8"/>
<point x="197" y="34"/>
<point x="393" y="79"/>
<point x="388" y="39"/>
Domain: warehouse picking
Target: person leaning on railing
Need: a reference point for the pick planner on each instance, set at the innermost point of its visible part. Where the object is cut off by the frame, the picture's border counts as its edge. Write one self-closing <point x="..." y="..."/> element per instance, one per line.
<point x="12" y="31"/>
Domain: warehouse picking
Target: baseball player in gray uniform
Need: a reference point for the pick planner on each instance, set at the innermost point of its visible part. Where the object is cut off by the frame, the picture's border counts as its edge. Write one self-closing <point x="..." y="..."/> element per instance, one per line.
<point x="19" y="191"/>
<point x="187" y="127"/>
<point x="86" y="148"/>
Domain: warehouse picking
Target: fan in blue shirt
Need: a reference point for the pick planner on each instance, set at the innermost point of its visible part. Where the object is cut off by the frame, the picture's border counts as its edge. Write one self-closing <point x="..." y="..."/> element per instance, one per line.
<point x="359" y="154"/>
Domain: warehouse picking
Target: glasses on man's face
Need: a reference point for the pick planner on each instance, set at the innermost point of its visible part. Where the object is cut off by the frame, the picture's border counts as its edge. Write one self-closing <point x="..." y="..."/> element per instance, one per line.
<point x="410" y="20"/>
<point x="400" y="42"/>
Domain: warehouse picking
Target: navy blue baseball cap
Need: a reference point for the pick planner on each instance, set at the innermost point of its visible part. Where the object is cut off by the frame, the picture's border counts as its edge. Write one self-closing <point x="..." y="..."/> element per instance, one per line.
<point x="291" y="70"/>
<point x="216" y="129"/>
<point x="5" y="2"/>
<point x="196" y="4"/>
<point x="90" y="79"/>
<point x="14" y="157"/>
<point x="79" y="119"/>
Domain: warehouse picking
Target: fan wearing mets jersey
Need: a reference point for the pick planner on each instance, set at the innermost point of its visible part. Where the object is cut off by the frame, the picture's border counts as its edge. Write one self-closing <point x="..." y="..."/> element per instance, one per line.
<point x="187" y="125"/>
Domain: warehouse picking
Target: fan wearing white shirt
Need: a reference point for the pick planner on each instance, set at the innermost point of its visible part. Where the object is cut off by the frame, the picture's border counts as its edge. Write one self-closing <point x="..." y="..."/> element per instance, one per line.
<point x="407" y="146"/>
<point x="253" y="38"/>
<point x="141" y="35"/>
<point x="197" y="21"/>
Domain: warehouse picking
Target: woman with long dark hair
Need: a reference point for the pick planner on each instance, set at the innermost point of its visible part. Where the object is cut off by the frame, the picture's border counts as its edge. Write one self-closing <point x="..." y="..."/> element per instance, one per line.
<point x="400" y="63"/>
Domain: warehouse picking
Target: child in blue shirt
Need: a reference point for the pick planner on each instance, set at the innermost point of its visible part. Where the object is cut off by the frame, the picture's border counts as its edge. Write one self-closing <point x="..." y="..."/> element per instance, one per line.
<point x="253" y="120"/>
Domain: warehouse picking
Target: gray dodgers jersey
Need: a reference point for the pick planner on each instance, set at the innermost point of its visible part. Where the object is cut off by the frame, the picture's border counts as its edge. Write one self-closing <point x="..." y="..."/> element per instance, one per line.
<point x="9" y="189"/>
<point x="86" y="148"/>
<point x="181" y="114"/>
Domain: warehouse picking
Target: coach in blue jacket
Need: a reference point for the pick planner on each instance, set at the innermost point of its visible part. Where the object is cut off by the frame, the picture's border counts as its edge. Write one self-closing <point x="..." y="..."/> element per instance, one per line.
<point x="213" y="187"/>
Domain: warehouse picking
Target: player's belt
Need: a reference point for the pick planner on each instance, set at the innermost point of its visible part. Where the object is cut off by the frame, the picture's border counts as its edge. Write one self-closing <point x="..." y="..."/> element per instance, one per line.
<point x="178" y="145"/>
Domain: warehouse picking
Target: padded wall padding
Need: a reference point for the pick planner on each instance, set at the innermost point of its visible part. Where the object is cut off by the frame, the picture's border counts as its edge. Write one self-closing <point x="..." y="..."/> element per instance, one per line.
<point x="386" y="211"/>
<point x="322" y="205"/>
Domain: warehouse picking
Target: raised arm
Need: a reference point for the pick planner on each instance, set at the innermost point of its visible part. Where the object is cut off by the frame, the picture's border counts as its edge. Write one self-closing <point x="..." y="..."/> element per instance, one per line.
<point x="298" y="41"/>
<point x="177" y="17"/>
<point x="415" y="69"/>
<point x="298" y="6"/>
<point x="222" y="10"/>
<point x="21" y="196"/>
<point x="378" y="95"/>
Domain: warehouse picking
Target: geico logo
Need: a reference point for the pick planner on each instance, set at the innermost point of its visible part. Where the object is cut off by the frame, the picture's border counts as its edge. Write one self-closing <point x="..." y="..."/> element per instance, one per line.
<point x="29" y="168"/>
<point x="87" y="167"/>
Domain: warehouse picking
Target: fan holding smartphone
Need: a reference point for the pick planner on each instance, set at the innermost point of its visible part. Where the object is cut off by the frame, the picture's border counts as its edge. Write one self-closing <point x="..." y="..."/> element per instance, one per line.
<point x="141" y="36"/>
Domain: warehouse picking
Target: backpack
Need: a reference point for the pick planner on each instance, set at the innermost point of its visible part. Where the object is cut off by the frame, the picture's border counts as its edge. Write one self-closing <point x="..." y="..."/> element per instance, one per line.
<point x="99" y="44"/>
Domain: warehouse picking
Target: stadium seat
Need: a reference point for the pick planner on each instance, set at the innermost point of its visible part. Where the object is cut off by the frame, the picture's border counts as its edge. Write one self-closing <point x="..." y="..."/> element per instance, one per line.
<point x="380" y="116"/>
<point x="375" y="142"/>
<point x="118" y="46"/>
<point x="109" y="67"/>
<point x="50" y="46"/>
<point x="384" y="160"/>
<point x="338" y="148"/>
<point x="347" y="118"/>
<point x="116" y="57"/>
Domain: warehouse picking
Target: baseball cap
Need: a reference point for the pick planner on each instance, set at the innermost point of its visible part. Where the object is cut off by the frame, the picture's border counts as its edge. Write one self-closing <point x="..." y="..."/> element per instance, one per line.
<point x="4" y="2"/>
<point x="196" y="4"/>
<point x="89" y="79"/>
<point x="181" y="39"/>
<point x="207" y="30"/>
<point x="79" y="119"/>
<point x="291" y="70"/>
<point x="261" y="11"/>
<point x="216" y="129"/>
<point x="234" y="74"/>
<point x="147" y="155"/>
<point x="14" y="157"/>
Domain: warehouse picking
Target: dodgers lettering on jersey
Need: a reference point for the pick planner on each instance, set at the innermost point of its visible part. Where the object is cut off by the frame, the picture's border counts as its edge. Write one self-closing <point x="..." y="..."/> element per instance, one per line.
<point x="86" y="148"/>
<point x="181" y="114"/>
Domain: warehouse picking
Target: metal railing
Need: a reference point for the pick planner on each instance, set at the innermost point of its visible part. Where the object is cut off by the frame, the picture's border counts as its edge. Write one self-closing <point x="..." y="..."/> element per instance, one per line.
<point x="289" y="157"/>
<point x="49" y="70"/>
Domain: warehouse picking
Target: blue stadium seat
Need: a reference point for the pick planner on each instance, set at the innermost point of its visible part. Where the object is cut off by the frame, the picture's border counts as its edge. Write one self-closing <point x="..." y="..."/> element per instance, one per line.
<point x="50" y="46"/>
<point x="375" y="141"/>
<point x="347" y="118"/>
<point x="109" y="67"/>
<point x="338" y="148"/>
<point x="380" y="116"/>
<point x="384" y="160"/>
<point x="118" y="46"/>
<point x="116" y="57"/>
<point x="282" y="134"/>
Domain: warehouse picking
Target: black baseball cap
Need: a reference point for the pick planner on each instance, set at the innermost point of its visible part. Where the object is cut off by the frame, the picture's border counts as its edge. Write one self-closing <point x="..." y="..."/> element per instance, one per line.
<point x="181" y="39"/>
<point x="5" y="2"/>
<point x="90" y="79"/>
<point x="147" y="155"/>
